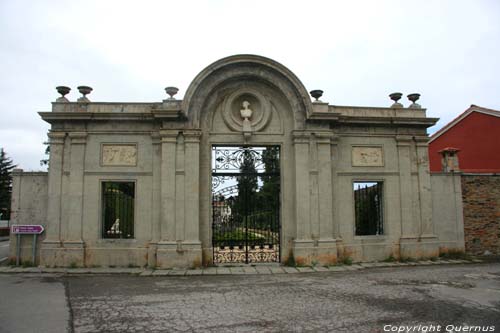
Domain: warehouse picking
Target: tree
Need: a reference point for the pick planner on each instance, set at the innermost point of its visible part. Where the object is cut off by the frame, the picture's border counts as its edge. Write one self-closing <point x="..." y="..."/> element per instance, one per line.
<point x="45" y="161"/>
<point x="6" y="166"/>
<point x="247" y="184"/>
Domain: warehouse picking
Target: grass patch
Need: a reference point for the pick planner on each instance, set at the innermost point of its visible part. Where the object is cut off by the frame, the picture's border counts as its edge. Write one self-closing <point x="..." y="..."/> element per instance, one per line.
<point x="389" y="259"/>
<point x="346" y="261"/>
<point x="454" y="254"/>
<point x="27" y="263"/>
<point x="407" y="259"/>
<point x="291" y="261"/>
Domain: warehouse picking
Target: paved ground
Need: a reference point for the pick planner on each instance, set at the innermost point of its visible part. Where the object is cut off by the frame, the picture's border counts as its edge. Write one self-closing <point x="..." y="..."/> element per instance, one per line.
<point x="33" y="303"/>
<point x="351" y="301"/>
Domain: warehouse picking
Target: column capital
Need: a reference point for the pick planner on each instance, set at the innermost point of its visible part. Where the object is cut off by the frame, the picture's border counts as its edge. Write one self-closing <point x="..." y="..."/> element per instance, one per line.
<point x="403" y="140"/>
<point x="192" y="136"/>
<point x="78" y="137"/>
<point x="56" y="137"/>
<point x="301" y="137"/>
<point x="169" y="135"/>
<point x="325" y="137"/>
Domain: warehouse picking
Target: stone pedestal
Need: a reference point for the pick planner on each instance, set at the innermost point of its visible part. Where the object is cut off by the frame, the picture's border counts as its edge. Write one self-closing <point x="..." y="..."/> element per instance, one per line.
<point x="178" y="254"/>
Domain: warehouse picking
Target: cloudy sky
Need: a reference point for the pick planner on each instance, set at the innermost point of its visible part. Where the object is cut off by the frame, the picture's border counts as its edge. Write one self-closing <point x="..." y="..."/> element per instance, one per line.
<point x="356" y="51"/>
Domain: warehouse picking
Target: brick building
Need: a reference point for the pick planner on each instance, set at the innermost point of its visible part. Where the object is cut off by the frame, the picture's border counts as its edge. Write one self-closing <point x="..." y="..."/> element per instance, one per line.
<point x="475" y="136"/>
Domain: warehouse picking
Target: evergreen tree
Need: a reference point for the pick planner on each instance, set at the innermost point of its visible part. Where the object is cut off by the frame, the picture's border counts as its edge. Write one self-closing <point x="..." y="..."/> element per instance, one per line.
<point x="6" y="166"/>
<point x="247" y="184"/>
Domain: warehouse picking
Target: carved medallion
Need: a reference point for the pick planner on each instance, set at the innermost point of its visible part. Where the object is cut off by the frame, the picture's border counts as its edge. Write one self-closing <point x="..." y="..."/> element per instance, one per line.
<point x="119" y="155"/>
<point x="367" y="156"/>
<point x="246" y="107"/>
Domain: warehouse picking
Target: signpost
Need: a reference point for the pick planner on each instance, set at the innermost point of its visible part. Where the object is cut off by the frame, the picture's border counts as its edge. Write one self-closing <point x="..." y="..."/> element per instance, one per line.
<point x="26" y="229"/>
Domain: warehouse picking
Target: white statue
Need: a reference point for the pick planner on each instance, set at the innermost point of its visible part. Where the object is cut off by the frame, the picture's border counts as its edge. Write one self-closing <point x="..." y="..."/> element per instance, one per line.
<point x="246" y="112"/>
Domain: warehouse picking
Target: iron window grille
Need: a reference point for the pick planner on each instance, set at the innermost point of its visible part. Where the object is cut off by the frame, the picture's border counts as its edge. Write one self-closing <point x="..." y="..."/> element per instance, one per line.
<point x="118" y="209"/>
<point x="368" y="206"/>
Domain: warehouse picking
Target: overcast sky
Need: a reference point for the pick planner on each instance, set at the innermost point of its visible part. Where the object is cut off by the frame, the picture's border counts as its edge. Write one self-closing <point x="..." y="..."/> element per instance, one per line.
<point x="356" y="51"/>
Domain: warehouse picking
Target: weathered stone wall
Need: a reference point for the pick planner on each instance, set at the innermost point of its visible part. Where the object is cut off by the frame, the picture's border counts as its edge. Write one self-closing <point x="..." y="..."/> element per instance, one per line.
<point x="447" y="211"/>
<point x="481" y="202"/>
<point x="29" y="206"/>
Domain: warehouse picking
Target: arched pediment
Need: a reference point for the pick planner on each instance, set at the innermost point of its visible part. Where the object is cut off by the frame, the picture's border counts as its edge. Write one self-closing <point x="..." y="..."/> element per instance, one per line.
<point x="245" y="68"/>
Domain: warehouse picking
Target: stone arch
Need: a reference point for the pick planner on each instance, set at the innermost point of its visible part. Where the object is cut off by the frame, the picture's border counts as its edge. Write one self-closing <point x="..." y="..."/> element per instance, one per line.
<point x="246" y="67"/>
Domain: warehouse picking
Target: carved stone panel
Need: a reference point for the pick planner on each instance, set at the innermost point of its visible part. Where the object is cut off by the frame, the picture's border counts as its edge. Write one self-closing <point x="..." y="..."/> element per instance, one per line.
<point x="367" y="156"/>
<point x="119" y="155"/>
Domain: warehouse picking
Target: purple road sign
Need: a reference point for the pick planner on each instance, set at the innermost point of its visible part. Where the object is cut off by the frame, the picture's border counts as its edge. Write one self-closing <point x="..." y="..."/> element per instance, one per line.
<point x="29" y="229"/>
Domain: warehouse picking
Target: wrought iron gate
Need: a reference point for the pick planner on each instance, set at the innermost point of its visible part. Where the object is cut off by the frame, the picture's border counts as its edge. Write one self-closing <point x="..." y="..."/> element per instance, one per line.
<point x="246" y="204"/>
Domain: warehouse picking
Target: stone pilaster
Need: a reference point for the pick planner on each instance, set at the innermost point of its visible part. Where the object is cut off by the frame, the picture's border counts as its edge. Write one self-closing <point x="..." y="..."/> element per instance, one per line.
<point x="302" y="192"/>
<point x="52" y="240"/>
<point x="335" y="200"/>
<point x="76" y="190"/>
<point x="327" y="248"/>
<point x="408" y="227"/>
<point x="179" y="245"/>
<point x="424" y="181"/>
<point x="168" y="164"/>
<point x="156" y="199"/>
<point x="72" y="241"/>
<point x="303" y="244"/>
<point x="192" y="186"/>
<point x="180" y="175"/>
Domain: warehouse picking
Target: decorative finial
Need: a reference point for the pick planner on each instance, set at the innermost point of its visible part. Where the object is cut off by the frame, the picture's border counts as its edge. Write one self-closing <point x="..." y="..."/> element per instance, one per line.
<point x="171" y="91"/>
<point x="63" y="90"/>
<point x="84" y="90"/>
<point x="316" y="94"/>
<point x="396" y="97"/>
<point x="414" y="98"/>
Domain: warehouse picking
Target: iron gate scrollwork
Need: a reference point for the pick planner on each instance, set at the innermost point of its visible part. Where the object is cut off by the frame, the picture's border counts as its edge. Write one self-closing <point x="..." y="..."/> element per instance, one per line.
<point x="246" y="204"/>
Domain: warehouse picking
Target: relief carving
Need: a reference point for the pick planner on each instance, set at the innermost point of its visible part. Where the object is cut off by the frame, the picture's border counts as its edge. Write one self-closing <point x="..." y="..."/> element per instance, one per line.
<point x="367" y="156"/>
<point x="119" y="155"/>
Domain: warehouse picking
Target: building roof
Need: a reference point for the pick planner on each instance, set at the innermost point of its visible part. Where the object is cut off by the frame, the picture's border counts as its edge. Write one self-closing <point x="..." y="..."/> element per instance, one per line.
<point x="472" y="108"/>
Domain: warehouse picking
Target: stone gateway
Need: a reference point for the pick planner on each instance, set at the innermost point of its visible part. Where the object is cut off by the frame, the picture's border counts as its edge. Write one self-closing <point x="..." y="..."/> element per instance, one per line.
<point x="245" y="169"/>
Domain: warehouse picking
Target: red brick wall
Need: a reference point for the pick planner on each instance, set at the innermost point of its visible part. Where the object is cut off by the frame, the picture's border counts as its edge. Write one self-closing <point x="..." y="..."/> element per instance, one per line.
<point x="481" y="202"/>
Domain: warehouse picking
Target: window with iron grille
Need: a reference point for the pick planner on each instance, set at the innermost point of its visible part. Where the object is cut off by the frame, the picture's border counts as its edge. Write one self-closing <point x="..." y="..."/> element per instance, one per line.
<point x="368" y="206"/>
<point x="118" y="209"/>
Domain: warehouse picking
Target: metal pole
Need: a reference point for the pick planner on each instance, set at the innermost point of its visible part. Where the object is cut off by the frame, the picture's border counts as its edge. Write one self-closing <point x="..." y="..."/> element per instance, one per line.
<point x="34" y="248"/>
<point x="18" y="249"/>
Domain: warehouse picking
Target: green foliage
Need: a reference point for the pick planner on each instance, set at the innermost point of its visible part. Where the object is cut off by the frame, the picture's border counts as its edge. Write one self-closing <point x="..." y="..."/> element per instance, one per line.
<point x="291" y="260"/>
<point x="73" y="265"/>
<point x="27" y="263"/>
<point x="6" y="166"/>
<point x="45" y="161"/>
<point x="454" y="254"/>
<point x="389" y="259"/>
<point x="238" y="235"/>
<point x="407" y="259"/>
<point x="347" y="261"/>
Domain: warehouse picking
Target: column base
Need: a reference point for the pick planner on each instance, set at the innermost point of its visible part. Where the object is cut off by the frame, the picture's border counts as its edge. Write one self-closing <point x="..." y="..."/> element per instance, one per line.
<point x="62" y="254"/>
<point x="181" y="254"/>
<point x="315" y="252"/>
<point x="425" y="246"/>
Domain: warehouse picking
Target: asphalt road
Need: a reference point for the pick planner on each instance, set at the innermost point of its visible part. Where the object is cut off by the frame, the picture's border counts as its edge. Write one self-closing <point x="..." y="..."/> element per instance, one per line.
<point x="354" y="301"/>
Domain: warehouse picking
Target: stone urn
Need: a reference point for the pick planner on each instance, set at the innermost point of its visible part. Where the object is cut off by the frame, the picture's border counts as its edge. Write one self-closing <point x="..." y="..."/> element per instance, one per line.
<point x="171" y="91"/>
<point x="396" y="96"/>
<point x="63" y="90"/>
<point x="84" y="90"/>
<point x="316" y="94"/>
<point x="414" y="98"/>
